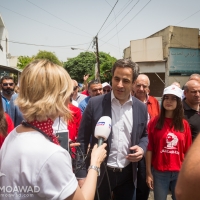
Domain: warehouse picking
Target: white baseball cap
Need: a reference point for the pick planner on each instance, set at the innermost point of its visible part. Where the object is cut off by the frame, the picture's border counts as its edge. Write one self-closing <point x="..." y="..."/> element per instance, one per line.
<point x="106" y="84"/>
<point x="173" y="89"/>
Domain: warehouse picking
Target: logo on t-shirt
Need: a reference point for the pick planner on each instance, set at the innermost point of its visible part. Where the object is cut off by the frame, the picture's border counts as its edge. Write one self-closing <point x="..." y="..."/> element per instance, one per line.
<point x="171" y="141"/>
<point x="171" y="144"/>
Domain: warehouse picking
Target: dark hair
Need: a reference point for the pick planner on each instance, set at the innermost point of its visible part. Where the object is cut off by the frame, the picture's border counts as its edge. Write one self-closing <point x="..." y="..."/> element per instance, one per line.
<point x="3" y="122"/>
<point x="93" y="82"/>
<point x="178" y="116"/>
<point x="123" y="63"/>
<point x="6" y="78"/>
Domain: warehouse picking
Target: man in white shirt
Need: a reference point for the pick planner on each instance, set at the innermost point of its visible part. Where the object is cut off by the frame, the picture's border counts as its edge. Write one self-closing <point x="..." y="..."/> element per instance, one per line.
<point x="128" y="139"/>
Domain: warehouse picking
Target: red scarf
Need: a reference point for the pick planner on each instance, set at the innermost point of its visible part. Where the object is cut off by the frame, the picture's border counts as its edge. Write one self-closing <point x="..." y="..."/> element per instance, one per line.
<point x="46" y="127"/>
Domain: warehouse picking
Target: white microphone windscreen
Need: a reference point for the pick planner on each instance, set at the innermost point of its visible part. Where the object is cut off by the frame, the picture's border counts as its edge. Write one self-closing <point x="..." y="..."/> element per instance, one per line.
<point x="103" y="128"/>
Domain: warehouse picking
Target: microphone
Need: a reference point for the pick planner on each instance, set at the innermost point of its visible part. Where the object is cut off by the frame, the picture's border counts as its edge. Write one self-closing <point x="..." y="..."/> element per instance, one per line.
<point x="102" y="129"/>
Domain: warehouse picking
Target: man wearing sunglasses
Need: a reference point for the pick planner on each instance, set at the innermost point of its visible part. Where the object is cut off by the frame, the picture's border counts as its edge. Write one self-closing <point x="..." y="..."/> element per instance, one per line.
<point x="7" y="87"/>
<point x="8" y="96"/>
<point x="78" y="97"/>
<point x="106" y="87"/>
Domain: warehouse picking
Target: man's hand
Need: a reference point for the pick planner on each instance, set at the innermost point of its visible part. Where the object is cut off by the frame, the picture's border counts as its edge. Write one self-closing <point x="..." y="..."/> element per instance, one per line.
<point x="137" y="156"/>
<point x="85" y="77"/>
<point x="74" y="144"/>
<point x="81" y="182"/>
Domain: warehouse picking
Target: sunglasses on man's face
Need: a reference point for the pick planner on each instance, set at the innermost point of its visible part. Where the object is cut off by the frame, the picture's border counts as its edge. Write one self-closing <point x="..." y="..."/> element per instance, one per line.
<point x="106" y="90"/>
<point x="6" y="84"/>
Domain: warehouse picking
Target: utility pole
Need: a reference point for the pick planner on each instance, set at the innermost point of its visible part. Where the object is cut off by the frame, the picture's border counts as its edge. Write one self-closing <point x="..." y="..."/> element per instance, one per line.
<point x="97" y="75"/>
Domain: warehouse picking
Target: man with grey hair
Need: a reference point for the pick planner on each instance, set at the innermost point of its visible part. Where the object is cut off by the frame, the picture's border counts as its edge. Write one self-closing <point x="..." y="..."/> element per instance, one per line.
<point x="194" y="77"/>
<point x="191" y="106"/>
<point x="141" y="92"/>
<point x="94" y="89"/>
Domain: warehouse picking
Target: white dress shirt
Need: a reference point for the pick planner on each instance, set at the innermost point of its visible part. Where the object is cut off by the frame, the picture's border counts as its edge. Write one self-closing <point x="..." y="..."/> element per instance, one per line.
<point x="59" y="125"/>
<point x="122" y="124"/>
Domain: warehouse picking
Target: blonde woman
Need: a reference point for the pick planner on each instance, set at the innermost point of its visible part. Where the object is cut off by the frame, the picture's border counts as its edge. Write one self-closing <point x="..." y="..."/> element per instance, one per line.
<point x="32" y="164"/>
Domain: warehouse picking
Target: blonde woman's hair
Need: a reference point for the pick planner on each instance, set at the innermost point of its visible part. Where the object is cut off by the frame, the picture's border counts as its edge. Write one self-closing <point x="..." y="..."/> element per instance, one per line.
<point x="45" y="89"/>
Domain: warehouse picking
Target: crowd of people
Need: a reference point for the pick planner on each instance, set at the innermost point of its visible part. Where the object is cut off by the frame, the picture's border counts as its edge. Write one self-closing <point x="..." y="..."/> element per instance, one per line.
<point x="145" y="149"/>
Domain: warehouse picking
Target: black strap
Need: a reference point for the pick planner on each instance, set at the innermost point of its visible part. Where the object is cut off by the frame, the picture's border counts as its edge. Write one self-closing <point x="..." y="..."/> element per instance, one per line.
<point x="26" y="124"/>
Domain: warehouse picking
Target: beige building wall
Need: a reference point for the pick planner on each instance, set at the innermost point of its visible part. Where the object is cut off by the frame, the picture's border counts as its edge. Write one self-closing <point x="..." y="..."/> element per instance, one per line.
<point x="149" y="49"/>
<point x="127" y="53"/>
<point x="180" y="79"/>
<point x="171" y="36"/>
<point x="180" y="37"/>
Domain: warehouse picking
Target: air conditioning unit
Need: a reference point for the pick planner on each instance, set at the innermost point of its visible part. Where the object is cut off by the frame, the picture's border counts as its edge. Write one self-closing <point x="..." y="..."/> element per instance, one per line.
<point x="8" y="56"/>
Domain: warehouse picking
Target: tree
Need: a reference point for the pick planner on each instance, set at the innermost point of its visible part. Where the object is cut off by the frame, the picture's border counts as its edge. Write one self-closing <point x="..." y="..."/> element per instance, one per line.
<point x="106" y="63"/>
<point x="23" y="61"/>
<point x="49" y="56"/>
<point x="85" y="62"/>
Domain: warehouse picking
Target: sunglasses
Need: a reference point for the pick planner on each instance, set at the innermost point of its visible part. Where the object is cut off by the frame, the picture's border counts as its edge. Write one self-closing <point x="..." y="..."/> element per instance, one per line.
<point x="6" y="84"/>
<point x="106" y="90"/>
<point x="75" y="88"/>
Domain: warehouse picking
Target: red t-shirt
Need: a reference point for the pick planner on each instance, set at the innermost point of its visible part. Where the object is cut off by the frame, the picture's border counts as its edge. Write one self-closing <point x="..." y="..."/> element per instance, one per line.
<point x="73" y="124"/>
<point x="85" y="92"/>
<point x="167" y="145"/>
<point x="9" y="129"/>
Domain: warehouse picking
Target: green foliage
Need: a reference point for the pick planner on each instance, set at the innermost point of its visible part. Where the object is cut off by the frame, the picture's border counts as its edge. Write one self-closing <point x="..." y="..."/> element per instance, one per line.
<point x="81" y="65"/>
<point x="49" y="56"/>
<point x="23" y="61"/>
<point x="106" y="63"/>
<point x="85" y="62"/>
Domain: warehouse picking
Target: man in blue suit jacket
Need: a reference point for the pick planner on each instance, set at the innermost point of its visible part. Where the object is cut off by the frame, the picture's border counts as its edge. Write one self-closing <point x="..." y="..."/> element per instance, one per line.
<point x="128" y="139"/>
<point x="8" y="97"/>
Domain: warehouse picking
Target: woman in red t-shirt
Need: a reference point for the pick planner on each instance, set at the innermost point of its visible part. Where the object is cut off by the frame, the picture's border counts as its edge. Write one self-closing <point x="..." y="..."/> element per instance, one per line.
<point x="6" y="124"/>
<point x="169" y="140"/>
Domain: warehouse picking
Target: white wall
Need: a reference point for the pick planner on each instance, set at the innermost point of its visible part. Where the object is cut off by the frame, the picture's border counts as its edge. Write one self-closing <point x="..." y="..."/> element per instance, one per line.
<point x="13" y="61"/>
<point x="3" y="36"/>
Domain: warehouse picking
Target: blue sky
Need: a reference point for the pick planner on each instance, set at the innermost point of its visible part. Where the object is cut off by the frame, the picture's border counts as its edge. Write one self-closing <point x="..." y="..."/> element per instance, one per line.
<point x="74" y="23"/>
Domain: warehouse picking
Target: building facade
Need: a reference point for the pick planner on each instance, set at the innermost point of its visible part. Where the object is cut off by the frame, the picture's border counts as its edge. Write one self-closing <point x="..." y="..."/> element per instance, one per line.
<point x="169" y="55"/>
<point x="5" y="68"/>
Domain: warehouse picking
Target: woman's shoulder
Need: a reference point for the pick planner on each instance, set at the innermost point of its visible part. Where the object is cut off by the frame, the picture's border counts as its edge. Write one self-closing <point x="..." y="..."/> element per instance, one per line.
<point x="185" y="122"/>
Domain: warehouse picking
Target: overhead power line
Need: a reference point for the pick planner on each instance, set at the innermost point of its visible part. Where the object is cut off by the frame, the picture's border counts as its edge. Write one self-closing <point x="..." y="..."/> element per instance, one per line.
<point x="128" y="22"/>
<point x="42" y="22"/>
<point x="121" y="19"/>
<point x="90" y="44"/>
<point x="11" y="41"/>
<point x="108" y="16"/>
<point x="58" y="17"/>
<point x="117" y="15"/>
<point x="187" y="17"/>
<point x="107" y="2"/>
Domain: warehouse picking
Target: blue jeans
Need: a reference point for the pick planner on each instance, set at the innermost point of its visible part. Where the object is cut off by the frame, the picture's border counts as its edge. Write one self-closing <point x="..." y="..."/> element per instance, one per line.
<point x="162" y="182"/>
